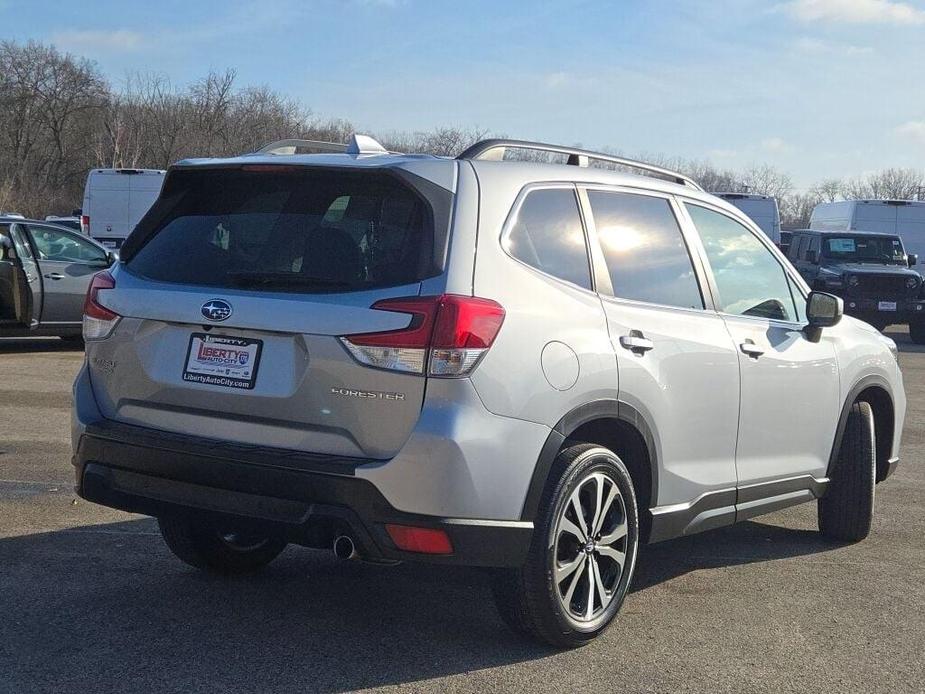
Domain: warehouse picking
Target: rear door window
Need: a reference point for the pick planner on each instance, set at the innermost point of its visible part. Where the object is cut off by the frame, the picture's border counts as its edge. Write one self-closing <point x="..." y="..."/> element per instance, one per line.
<point x="287" y="228"/>
<point x="548" y="234"/>
<point x="645" y="253"/>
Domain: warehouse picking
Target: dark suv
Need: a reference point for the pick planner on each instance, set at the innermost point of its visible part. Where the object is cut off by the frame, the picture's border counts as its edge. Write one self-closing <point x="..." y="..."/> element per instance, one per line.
<point x="870" y="271"/>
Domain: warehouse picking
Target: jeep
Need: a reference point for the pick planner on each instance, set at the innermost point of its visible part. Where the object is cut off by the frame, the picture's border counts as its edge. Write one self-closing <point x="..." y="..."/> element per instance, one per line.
<point x="490" y="360"/>
<point x="870" y="271"/>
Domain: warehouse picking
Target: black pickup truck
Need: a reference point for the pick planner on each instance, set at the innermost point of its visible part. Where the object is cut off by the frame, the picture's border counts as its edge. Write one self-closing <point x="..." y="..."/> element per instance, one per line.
<point x="870" y="271"/>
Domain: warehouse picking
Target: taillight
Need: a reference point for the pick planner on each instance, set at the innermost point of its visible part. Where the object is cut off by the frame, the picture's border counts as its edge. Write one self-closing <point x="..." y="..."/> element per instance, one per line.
<point x="447" y="335"/>
<point x="85" y="223"/>
<point x="99" y="321"/>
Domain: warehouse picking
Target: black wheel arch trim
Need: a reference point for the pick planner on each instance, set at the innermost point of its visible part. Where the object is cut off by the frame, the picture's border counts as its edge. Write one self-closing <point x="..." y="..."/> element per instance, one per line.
<point x="588" y="412"/>
<point x="872" y="380"/>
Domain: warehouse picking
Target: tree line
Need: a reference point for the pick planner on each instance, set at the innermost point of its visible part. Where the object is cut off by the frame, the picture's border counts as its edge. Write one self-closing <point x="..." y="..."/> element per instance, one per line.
<point x="61" y="117"/>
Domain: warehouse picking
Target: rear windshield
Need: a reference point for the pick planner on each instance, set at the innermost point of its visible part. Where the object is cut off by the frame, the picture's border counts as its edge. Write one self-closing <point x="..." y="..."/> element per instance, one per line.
<point x="282" y="229"/>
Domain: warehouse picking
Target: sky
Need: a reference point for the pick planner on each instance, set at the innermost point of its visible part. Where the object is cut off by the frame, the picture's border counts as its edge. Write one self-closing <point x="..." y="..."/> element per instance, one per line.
<point x="817" y="88"/>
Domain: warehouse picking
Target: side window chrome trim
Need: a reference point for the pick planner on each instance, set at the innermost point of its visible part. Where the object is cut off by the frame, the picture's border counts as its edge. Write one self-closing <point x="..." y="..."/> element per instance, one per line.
<point x="512" y="216"/>
<point x="620" y="301"/>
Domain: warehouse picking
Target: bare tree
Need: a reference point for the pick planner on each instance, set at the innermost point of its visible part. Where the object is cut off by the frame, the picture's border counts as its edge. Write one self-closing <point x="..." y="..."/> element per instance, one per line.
<point x="52" y="107"/>
<point x="889" y="184"/>
<point x="828" y="190"/>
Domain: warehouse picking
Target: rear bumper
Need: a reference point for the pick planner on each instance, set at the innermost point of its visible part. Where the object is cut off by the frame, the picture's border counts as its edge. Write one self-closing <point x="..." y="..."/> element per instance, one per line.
<point x="310" y="502"/>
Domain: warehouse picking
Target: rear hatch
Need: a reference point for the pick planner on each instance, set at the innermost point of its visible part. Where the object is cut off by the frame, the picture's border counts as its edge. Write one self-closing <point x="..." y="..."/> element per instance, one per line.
<point x="235" y="291"/>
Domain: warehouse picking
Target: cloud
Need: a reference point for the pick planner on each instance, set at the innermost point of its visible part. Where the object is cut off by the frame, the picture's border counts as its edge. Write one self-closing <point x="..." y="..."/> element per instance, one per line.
<point x="88" y="40"/>
<point x="819" y="47"/>
<point x="854" y="11"/>
<point x="913" y="130"/>
<point x="775" y="145"/>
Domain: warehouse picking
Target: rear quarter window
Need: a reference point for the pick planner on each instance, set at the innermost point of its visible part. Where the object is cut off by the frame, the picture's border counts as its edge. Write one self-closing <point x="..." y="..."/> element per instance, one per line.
<point x="547" y="234"/>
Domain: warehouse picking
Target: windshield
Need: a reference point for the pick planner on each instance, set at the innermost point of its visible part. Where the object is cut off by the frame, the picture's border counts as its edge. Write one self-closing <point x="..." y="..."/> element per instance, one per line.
<point x="278" y="228"/>
<point x="865" y="249"/>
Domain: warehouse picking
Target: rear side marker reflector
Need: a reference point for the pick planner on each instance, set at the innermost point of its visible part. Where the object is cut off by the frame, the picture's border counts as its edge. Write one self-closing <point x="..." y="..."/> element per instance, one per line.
<point x="420" y="540"/>
<point x="447" y="335"/>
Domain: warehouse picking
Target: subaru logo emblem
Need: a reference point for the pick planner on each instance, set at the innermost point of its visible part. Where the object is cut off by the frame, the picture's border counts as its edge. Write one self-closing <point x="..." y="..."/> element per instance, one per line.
<point x="216" y="309"/>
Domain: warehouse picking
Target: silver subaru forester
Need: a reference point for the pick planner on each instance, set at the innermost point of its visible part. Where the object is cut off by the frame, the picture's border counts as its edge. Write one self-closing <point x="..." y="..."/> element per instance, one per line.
<point x="484" y="361"/>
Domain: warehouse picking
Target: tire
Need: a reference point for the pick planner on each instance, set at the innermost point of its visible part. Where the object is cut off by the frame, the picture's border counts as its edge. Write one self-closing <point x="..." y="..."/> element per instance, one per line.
<point x="847" y="508"/>
<point x="917" y="332"/>
<point x="220" y="550"/>
<point x="530" y="599"/>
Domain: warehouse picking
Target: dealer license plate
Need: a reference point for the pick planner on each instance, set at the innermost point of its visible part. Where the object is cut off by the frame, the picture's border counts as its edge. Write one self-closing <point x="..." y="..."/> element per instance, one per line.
<point x="220" y="360"/>
<point x="886" y="306"/>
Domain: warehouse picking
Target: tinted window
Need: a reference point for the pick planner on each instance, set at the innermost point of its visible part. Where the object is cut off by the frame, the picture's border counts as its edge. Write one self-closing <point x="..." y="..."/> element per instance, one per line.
<point x="548" y="235"/>
<point x="645" y="252"/>
<point x="54" y="244"/>
<point x="748" y="277"/>
<point x="303" y="230"/>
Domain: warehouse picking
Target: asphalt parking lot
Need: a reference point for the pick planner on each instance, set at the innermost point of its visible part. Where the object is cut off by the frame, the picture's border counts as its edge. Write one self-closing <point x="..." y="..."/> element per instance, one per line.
<point x="91" y="600"/>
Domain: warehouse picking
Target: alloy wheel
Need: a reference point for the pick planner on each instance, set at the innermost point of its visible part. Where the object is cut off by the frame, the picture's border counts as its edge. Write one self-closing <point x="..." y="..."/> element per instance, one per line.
<point x="590" y="548"/>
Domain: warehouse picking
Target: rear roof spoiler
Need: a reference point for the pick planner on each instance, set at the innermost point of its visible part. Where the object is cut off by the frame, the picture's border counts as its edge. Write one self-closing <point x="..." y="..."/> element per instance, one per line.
<point x="357" y="145"/>
<point x="494" y="149"/>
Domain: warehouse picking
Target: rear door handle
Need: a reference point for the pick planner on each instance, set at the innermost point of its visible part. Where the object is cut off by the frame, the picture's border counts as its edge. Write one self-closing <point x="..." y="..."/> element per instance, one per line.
<point x="751" y="349"/>
<point x="54" y="276"/>
<point x="636" y="342"/>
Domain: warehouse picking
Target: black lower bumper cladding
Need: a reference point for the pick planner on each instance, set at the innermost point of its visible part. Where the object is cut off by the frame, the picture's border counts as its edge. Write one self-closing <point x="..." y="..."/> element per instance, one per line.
<point x="308" y="498"/>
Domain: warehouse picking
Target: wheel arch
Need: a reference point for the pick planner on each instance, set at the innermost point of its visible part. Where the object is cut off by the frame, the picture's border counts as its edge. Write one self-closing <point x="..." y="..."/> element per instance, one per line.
<point x="874" y="390"/>
<point x="616" y="425"/>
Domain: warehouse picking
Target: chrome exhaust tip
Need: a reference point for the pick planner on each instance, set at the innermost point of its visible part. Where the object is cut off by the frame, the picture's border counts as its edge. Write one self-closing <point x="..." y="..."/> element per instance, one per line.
<point x="344" y="548"/>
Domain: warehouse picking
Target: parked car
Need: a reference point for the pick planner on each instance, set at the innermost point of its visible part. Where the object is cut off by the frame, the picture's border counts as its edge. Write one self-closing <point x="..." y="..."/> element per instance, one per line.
<point x="45" y="271"/>
<point x="69" y="222"/>
<point x="115" y="200"/>
<point x="902" y="218"/>
<point x="761" y="209"/>
<point x="526" y="366"/>
<point x="871" y="272"/>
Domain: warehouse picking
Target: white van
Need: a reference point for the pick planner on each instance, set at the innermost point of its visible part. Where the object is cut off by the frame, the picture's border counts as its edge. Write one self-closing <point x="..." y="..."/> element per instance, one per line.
<point x="761" y="209"/>
<point x="115" y="200"/>
<point x="905" y="218"/>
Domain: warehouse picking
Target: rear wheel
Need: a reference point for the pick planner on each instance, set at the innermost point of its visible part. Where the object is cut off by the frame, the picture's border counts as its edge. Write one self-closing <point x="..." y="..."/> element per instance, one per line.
<point x="847" y="509"/>
<point x="917" y="331"/>
<point x="583" y="552"/>
<point x="218" y="548"/>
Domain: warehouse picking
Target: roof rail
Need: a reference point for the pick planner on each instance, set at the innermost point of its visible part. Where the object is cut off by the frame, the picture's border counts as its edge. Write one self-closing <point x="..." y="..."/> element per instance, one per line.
<point x="358" y="144"/>
<point x="493" y="149"/>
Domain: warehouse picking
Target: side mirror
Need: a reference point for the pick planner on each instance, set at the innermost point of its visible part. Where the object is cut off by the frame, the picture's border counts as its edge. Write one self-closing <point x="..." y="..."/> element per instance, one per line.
<point x="812" y="257"/>
<point x="822" y="311"/>
<point x="112" y="257"/>
<point x="913" y="259"/>
<point x="6" y="248"/>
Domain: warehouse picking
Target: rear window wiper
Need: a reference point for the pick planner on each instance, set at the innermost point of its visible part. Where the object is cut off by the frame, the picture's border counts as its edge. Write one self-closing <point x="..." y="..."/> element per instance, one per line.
<point x="282" y="279"/>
